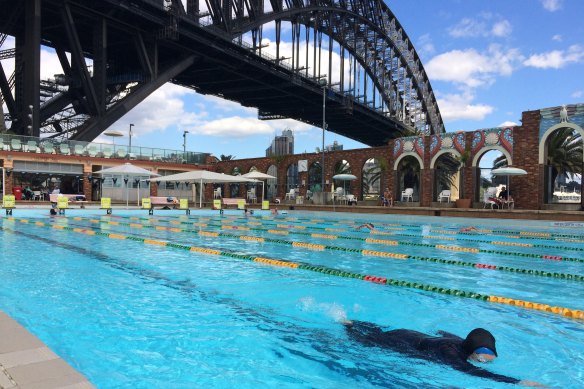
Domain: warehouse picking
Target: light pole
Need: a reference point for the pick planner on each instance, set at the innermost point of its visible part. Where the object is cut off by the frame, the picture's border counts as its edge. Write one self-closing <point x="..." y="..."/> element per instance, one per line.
<point x="130" y="141"/>
<point x="323" y="82"/>
<point x="185" y="132"/>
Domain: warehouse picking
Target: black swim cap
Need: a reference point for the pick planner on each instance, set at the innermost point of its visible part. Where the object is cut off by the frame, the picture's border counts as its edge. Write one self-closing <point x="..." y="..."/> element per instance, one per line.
<point x="479" y="337"/>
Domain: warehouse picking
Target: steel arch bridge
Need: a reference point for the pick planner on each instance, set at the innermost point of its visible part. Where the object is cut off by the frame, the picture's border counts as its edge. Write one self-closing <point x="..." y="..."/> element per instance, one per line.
<point x="113" y="54"/>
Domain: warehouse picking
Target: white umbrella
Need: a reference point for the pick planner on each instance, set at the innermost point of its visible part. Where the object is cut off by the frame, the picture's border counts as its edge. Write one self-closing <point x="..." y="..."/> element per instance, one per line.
<point x="128" y="170"/>
<point x="258" y="176"/>
<point x="203" y="176"/>
<point x="508" y="171"/>
<point x="344" y="178"/>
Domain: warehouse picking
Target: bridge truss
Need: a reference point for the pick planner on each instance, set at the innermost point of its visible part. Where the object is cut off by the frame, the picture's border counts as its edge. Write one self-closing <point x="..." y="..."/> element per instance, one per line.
<point x="270" y="55"/>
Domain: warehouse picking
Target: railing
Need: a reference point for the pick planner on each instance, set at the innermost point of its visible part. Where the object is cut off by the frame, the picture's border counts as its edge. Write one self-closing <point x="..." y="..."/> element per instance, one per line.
<point x="29" y="144"/>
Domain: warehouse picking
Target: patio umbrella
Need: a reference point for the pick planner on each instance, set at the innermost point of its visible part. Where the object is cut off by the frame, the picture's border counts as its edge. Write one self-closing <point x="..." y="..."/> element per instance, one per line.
<point x="508" y="171"/>
<point x="127" y="170"/>
<point x="258" y="176"/>
<point x="202" y="177"/>
<point x="344" y="178"/>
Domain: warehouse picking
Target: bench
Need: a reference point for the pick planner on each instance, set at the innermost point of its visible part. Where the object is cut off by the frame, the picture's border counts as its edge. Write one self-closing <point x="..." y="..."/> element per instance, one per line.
<point x="163" y="200"/>
<point x="75" y="198"/>
<point x="234" y="201"/>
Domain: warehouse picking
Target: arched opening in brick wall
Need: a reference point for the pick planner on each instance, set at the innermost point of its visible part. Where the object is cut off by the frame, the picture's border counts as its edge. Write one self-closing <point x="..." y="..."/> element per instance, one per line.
<point x="292" y="177"/>
<point x="408" y="175"/>
<point x="234" y="188"/>
<point x="488" y="159"/>
<point x="272" y="183"/>
<point x="343" y="167"/>
<point x="371" y="179"/>
<point x="561" y="152"/>
<point x="447" y="174"/>
<point x="315" y="177"/>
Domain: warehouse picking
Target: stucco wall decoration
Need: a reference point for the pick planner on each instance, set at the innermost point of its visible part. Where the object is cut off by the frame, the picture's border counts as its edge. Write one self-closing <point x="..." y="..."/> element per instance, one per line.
<point x="412" y="144"/>
<point x="573" y="113"/>
<point x="447" y="142"/>
<point x="492" y="137"/>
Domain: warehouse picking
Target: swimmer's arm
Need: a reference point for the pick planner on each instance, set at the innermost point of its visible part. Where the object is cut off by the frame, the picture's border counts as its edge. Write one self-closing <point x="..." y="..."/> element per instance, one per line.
<point x="450" y="356"/>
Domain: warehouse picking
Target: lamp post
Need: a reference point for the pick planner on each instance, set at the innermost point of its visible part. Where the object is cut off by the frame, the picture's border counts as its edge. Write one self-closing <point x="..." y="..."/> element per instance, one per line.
<point x="323" y="82"/>
<point x="130" y="140"/>
<point x="185" y="132"/>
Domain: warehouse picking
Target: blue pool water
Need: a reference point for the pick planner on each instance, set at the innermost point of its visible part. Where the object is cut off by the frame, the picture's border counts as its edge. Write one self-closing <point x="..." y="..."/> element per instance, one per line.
<point x="134" y="315"/>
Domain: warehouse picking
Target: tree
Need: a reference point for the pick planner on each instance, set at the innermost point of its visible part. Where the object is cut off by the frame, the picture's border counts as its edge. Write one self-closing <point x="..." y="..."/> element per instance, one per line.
<point x="446" y="168"/>
<point x="226" y="157"/>
<point x="564" y="154"/>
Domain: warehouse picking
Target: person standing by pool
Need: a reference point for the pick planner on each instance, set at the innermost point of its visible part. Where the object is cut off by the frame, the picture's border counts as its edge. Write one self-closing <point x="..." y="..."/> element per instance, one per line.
<point x="387" y="198"/>
<point x="448" y="349"/>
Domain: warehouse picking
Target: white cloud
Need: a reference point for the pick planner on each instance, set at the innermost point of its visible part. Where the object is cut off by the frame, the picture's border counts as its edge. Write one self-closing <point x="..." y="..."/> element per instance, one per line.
<point x="577" y="94"/>
<point x="235" y="126"/>
<point x="507" y="123"/>
<point x="482" y="26"/>
<point x="551" y="5"/>
<point x="425" y="45"/>
<point x="556" y="59"/>
<point x="459" y="106"/>
<point x="557" y="38"/>
<point x="501" y="29"/>
<point x="470" y="68"/>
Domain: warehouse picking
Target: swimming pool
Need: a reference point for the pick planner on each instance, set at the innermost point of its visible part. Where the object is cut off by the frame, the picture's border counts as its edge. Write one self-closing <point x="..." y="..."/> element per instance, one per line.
<point x="135" y="301"/>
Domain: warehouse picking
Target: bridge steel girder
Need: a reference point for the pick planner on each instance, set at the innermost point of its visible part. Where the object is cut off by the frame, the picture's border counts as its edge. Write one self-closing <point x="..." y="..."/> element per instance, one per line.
<point x="94" y="126"/>
<point x="376" y="16"/>
<point x="133" y="55"/>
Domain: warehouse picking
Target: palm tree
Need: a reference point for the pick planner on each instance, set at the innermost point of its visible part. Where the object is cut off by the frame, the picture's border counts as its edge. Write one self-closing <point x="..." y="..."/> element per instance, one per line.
<point x="446" y="168"/>
<point x="564" y="154"/>
<point x="226" y="157"/>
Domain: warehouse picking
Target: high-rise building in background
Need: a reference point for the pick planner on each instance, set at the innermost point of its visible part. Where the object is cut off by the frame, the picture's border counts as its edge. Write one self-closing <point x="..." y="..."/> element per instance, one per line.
<point x="282" y="145"/>
<point x="335" y="146"/>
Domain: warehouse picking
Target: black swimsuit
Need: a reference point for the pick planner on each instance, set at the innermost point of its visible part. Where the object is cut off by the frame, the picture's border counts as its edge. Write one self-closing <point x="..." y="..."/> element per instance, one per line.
<point x="446" y="349"/>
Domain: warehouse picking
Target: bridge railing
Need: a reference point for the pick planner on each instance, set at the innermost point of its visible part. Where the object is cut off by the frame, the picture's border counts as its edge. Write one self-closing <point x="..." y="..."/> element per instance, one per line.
<point x="29" y="144"/>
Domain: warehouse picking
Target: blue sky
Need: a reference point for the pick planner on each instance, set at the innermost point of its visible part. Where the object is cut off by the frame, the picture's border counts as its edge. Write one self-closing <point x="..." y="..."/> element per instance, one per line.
<point x="487" y="62"/>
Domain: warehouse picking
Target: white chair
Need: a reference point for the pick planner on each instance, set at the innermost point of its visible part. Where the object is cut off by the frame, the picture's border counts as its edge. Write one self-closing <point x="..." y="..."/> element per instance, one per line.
<point x="32" y="146"/>
<point x="36" y="195"/>
<point x="251" y="195"/>
<point x="64" y="149"/>
<point x="350" y="199"/>
<point x="107" y="152"/>
<point x="487" y="196"/>
<point x="217" y="193"/>
<point x="444" y="195"/>
<point x="79" y="150"/>
<point x="290" y="195"/>
<point x="408" y="195"/>
<point x="16" y="145"/>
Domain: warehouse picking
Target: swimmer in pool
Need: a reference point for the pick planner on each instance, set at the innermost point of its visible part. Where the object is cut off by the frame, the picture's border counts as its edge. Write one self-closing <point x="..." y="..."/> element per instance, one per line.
<point x="448" y="349"/>
<point x="369" y="226"/>
<point x="468" y="229"/>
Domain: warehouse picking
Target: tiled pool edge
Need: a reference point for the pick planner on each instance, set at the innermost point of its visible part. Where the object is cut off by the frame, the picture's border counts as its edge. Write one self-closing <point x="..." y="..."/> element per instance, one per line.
<point x="27" y="363"/>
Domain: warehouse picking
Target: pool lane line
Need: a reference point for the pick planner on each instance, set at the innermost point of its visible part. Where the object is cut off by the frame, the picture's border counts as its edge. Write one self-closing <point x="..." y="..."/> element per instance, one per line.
<point x="388" y="242"/>
<point x="506" y="233"/>
<point x="566" y="312"/>
<point x="313" y="246"/>
<point x="526" y="235"/>
<point x="443" y="247"/>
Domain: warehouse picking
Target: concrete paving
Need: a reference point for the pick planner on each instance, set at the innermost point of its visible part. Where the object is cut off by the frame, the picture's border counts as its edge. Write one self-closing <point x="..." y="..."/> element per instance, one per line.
<point x="27" y="363"/>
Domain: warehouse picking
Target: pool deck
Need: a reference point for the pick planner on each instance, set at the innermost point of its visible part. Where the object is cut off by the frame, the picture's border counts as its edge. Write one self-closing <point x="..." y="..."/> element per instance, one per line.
<point x="27" y="363"/>
<point x="444" y="210"/>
